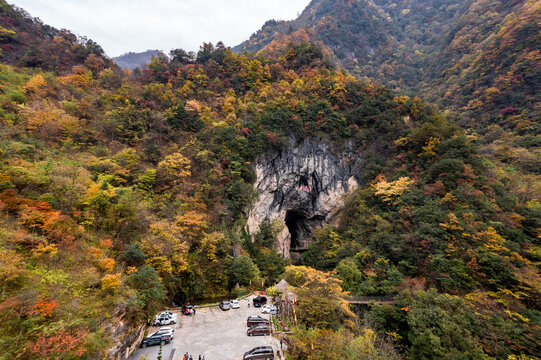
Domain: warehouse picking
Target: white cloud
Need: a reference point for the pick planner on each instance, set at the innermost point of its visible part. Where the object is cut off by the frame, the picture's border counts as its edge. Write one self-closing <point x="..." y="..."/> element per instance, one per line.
<point x="120" y="26"/>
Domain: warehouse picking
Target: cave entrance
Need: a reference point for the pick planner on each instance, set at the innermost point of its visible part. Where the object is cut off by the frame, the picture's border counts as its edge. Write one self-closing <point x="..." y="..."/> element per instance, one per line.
<point x="299" y="229"/>
<point x="179" y="298"/>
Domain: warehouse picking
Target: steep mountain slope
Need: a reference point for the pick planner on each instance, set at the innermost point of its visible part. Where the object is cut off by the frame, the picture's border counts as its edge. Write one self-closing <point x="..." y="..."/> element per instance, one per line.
<point x="133" y="60"/>
<point x="117" y="194"/>
<point x="120" y="194"/>
<point x="480" y="57"/>
<point x="26" y="41"/>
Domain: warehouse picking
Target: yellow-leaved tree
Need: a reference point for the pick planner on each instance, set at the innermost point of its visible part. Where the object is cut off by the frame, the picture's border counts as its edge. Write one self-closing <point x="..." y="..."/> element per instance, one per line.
<point x="391" y="191"/>
<point x="166" y="241"/>
<point x="111" y="282"/>
<point x="321" y="298"/>
<point x="175" y="167"/>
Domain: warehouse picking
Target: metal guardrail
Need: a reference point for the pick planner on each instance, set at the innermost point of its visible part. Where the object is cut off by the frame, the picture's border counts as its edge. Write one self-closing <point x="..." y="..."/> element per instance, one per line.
<point x="369" y="299"/>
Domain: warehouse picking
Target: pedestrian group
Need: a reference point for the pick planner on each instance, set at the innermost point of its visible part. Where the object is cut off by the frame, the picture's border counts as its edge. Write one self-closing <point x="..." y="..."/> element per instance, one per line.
<point x="189" y="357"/>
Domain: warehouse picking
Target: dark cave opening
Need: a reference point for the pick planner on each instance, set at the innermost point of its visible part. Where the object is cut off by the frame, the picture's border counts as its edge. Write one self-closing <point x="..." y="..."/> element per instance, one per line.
<point x="298" y="227"/>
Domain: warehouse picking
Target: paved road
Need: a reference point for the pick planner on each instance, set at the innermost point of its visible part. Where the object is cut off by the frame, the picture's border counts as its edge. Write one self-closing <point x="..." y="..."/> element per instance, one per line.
<point x="216" y="334"/>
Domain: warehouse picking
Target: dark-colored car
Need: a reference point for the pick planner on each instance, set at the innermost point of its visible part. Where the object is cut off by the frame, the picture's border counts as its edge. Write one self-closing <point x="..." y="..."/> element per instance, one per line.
<point x="259" y="353"/>
<point x="259" y="301"/>
<point x="224" y="305"/>
<point x="156" y="339"/>
<point x="187" y="309"/>
<point x="256" y="320"/>
<point x="262" y="329"/>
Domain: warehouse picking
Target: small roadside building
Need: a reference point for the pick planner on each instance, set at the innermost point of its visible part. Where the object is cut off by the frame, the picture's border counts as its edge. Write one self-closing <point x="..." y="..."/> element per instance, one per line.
<point x="285" y="291"/>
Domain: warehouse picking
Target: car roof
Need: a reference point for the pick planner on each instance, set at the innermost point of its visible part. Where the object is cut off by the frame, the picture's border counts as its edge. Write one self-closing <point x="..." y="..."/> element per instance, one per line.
<point x="157" y="333"/>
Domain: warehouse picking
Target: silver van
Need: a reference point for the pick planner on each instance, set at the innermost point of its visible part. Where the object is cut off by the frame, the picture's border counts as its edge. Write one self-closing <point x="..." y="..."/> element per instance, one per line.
<point x="260" y="353"/>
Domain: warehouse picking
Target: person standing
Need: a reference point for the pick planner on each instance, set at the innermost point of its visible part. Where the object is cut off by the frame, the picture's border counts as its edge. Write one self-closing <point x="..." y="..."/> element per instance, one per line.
<point x="194" y="311"/>
<point x="191" y="357"/>
<point x="199" y="357"/>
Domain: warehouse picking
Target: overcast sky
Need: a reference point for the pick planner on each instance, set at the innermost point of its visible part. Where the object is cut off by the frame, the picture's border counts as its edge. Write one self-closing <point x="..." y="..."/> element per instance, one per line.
<point x="120" y="26"/>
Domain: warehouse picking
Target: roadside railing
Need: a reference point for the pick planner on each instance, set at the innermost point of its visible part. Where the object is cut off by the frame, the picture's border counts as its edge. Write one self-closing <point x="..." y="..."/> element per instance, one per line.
<point x="369" y="299"/>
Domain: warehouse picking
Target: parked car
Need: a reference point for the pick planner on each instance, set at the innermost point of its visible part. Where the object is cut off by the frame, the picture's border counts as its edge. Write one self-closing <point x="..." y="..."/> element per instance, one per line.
<point x="262" y="329"/>
<point x="168" y="313"/>
<point x="187" y="309"/>
<point x="259" y="301"/>
<point x="165" y="318"/>
<point x="156" y="339"/>
<point x="259" y="353"/>
<point x="256" y="320"/>
<point x="224" y="305"/>
<point x="234" y="304"/>
<point x="268" y="309"/>
<point x="166" y="331"/>
<point x="165" y="313"/>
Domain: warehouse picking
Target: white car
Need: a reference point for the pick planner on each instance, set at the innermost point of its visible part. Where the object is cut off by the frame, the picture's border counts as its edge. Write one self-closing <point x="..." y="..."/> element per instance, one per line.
<point x="234" y="304"/>
<point x="268" y="309"/>
<point x="165" y="318"/>
<point x="166" y="331"/>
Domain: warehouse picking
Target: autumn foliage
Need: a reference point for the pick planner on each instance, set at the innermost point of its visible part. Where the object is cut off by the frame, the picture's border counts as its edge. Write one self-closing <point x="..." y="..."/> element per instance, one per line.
<point x="122" y="190"/>
<point x="63" y="343"/>
<point x="45" y="307"/>
<point x="111" y="282"/>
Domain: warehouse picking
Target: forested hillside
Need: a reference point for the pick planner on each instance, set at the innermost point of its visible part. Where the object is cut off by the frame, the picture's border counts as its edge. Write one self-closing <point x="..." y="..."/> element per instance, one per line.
<point x="479" y="57"/>
<point x="26" y="41"/>
<point x="131" y="191"/>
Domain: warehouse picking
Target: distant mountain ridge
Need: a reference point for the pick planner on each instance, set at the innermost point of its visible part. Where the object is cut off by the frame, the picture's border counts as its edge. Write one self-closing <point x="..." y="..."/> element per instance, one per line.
<point x="479" y="57"/>
<point x="133" y="60"/>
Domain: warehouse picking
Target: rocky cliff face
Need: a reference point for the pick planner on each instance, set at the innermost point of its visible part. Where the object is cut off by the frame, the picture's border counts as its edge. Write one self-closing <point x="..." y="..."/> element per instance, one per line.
<point x="125" y="333"/>
<point x="302" y="187"/>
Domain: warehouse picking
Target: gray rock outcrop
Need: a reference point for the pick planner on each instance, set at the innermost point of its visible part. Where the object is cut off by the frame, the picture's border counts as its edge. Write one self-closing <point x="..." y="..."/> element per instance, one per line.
<point x="302" y="187"/>
<point x="126" y="334"/>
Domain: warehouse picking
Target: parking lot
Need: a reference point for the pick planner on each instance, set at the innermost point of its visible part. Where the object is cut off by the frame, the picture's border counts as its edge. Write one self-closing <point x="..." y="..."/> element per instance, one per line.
<point x="213" y="333"/>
